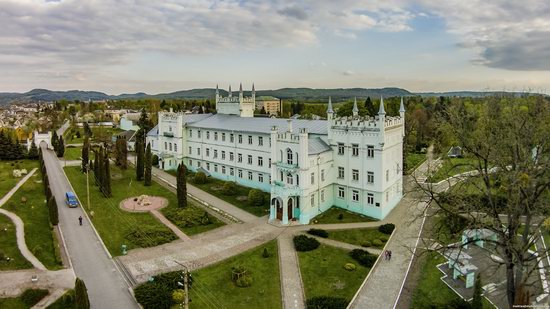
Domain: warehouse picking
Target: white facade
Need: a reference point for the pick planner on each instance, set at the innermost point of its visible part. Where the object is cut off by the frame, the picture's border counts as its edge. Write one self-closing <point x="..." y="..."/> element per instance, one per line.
<point x="308" y="166"/>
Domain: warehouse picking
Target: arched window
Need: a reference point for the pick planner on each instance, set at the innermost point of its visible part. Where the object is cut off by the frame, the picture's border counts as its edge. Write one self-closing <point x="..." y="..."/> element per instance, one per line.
<point x="289" y="178"/>
<point x="288" y="156"/>
<point x="297" y="180"/>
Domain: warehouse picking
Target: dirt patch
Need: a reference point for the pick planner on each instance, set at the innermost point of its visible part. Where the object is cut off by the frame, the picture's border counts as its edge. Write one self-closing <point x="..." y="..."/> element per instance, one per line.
<point x="143" y="203"/>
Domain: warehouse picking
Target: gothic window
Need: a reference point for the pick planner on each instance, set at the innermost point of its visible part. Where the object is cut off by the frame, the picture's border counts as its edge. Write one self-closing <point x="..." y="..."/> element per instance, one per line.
<point x="288" y="156"/>
<point x="289" y="179"/>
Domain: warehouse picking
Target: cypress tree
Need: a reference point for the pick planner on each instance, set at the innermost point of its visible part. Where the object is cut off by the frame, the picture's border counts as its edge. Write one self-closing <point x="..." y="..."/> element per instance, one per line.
<point x="370" y="107"/>
<point x="121" y="153"/>
<point x="96" y="167"/>
<point x="477" y="302"/>
<point x="55" y="141"/>
<point x="85" y="154"/>
<point x="148" y="166"/>
<point x="101" y="169"/>
<point x="106" y="176"/>
<point x="182" y="186"/>
<point x="52" y="209"/>
<point x="140" y="158"/>
<point x="81" y="295"/>
<point x="33" y="152"/>
<point x="60" y="147"/>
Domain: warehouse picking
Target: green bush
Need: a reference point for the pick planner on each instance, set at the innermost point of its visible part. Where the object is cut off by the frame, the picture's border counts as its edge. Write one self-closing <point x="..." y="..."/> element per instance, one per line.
<point x="244" y="281"/>
<point x="384" y="238"/>
<point x="255" y="197"/>
<point x="66" y="301"/>
<point x="304" y="243"/>
<point x="147" y="236"/>
<point x="32" y="296"/>
<point x="367" y="244"/>
<point x="188" y="217"/>
<point x="318" y="232"/>
<point x="363" y="257"/>
<point x="386" y="228"/>
<point x="341" y="216"/>
<point x="241" y="276"/>
<point x="229" y="188"/>
<point x="200" y="178"/>
<point x="326" y="302"/>
<point x="377" y="243"/>
<point x="157" y="293"/>
<point x="155" y="160"/>
<point x="265" y="254"/>
<point x="350" y="267"/>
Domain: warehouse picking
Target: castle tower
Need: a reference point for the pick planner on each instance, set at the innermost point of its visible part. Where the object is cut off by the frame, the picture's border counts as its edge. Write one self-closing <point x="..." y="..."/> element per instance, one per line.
<point x="241" y="93"/>
<point x="355" y="109"/>
<point x="402" y="115"/>
<point x="229" y="95"/>
<point x="253" y="93"/>
<point x="330" y="111"/>
<point x="217" y="95"/>
<point x="381" y="120"/>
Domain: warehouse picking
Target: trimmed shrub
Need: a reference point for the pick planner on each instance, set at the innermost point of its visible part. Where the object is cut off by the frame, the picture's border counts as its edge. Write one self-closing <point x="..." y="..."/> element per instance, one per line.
<point x="326" y="302"/>
<point x="178" y="296"/>
<point x="32" y="296"/>
<point x="241" y="276"/>
<point x="367" y="244"/>
<point x="350" y="267"/>
<point x="244" y="281"/>
<point x="318" y="232"/>
<point x="340" y="216"/>
<point x="229" y="188"/>
<point x="187" y="217"/>
<point x="304" y="243"/>
<point x="384" y="238"/>
<point x="147" y="236"/>
<point x="255" y="197"/>
<point x="386" y="228"/>
<point x="377" y="243"/>
<point x="265" y="254"/>
<point x="200" y="178"/>
<point x="157" y="294"/>
<point x="363" y="257"/>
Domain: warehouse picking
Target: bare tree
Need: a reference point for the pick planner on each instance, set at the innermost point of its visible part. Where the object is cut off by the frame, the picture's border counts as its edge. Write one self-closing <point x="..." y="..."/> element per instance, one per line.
<point x="507" y="190"/>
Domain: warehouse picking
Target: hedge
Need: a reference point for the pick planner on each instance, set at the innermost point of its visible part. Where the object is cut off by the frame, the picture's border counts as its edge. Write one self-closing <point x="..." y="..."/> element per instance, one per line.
<point x="363" y="257"/>
<point x="318" y="232"/>
<point x="304" y="243"/>
<point x="386" y="228"/>
<point x="326" y="302"/>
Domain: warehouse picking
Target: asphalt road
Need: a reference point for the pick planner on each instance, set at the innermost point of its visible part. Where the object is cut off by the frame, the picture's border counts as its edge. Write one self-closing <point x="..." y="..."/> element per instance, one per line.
<point x="106" y="286"/>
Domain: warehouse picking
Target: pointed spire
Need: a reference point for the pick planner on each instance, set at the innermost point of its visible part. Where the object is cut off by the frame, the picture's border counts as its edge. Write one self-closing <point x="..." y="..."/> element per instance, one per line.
<point x="402" y="106"/>
<point x="355" y="109"/>
<point x="381" y="111"/>
<point x="241" y="87"/>
<point x="217" y="89"/>
<point x="253" y="90"/>
<point x="230" y="91"/>
<point x="329" y="109"/>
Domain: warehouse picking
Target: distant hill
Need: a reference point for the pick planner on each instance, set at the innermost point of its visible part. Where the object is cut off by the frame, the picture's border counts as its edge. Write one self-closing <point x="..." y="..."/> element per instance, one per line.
<point x="45" y="95"/>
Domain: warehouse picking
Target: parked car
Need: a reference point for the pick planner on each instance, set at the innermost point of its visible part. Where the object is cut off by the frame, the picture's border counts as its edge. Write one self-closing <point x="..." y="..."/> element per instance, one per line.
<point x="71" y="200"/>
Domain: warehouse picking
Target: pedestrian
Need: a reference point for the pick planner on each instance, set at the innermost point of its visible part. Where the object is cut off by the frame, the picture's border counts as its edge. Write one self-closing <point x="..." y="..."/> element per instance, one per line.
<point x="80" y="220"/>
<point x="385" y="254"/>
<point x="389" y="255"/>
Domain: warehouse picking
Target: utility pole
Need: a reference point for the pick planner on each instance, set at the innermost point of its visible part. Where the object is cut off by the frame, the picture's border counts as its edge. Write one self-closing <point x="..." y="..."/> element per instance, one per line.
<point x="186" y="287"/>
<point x="88" y="186"/>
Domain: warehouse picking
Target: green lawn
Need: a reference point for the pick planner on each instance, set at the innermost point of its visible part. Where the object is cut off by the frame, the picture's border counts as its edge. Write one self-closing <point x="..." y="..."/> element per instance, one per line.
<point x="323" y="273"/>
<point x="66" y="301"/>
<point x="358" y="236"/>
<point x="430" y="291"/>
<point x="39" y="235"/>
<point x="7" y="180"/>
<point x="214" y="282"/>
<point x="115" y="225"/>
<point x="333" y="214"/>
<point x="99" y="134"/>
<point x="413" y="160"/>
<point x="73" y="153"/>
<point x="451" y="167"/>
<point x="213" y="185"/>
<point x="8" y="246"/>
<point x="18" y="302"/>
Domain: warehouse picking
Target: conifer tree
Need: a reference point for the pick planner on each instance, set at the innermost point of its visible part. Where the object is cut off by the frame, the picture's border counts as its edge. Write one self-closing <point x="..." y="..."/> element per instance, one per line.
<point x="33" y="152"/>
<point x="148" y="166"/>
<point x="52" y="209"/>
<point x="101" y="169"/>
<point x="85" y="154"/>
<point x="182" y="186"/>
<point x="121" y="153"/>
<point x="139" y="159"/>
<point x="81" y="295"/>
<point x="60" y="147"/>
<point x="96" y="167"/>
<point x="55" y="141"/>
<point x="477" y="302"/>
<point x="370" y="107"/>
<point x="106" y="181"/>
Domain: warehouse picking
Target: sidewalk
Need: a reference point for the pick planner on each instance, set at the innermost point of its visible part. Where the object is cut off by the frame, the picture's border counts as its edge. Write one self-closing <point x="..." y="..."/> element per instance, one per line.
<point x="292" y="288"/>
<point x="13" y="283"/>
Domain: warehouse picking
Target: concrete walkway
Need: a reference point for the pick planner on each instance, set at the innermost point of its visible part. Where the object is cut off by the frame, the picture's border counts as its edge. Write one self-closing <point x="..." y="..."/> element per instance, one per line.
<point x="343" y="245"/>
<point x="207" y="197"/>
<point x="169" y="225"/>
<point x="13" y="283"/>
<point x="20" y="226"/>
<point x="292" y="288"/>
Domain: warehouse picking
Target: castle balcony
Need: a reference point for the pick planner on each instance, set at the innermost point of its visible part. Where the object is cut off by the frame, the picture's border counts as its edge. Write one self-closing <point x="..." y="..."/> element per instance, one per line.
<point x="285" y="167"/>
<point x="281" y="189"/>
<point x="168" y="134"/>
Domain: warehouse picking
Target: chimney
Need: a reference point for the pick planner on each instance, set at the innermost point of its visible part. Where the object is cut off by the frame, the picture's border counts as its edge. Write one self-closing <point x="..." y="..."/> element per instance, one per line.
<point x="290" y="125"/>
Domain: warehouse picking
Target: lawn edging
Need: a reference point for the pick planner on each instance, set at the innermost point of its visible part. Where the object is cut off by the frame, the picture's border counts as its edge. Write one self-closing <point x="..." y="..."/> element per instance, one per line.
<point x="372" y="269"/>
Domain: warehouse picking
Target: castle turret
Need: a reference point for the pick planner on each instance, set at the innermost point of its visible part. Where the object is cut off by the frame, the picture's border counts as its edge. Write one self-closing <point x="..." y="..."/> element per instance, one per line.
<point x="241" y="92"/>
<point x="229" y="95"/>
<point x="330" y="111"/>
<point x="355" y="109"/>
<point x="253" y="93"/>
<point x="381" y="121"/>
<point x="217" y="96"/>
<point x="402" y="115"/>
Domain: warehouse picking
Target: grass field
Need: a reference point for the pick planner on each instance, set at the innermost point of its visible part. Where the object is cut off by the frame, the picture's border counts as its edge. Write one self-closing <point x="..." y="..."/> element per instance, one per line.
<point x="333" y="216"/>
<point x="451" y="167"/>
<point x="19" y="302"/>
<point x="99" y="134"/>
<point x="413" y="160"/>
<point x="114" y="224"/>
<point x="8" y="246"/>
<point x="323" y="273"/>
<point x="7" y="180"/>
<point x="215" y="281"/>
<point x="73" y="153"/>
<point x="358" y="236"/>
<point x="39" y="235"/>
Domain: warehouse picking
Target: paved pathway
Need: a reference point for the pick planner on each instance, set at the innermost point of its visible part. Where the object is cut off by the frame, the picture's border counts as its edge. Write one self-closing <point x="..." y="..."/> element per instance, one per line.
<point x="343" y="245"/>
<point x="207" y="197"/>
<point x="169" y="225"/>
<point x="13" y="283"/>
<point x="292" y="288"/>
<point x="20" y="226"/>
<point x="106" y="286"/>
<point x="50" y="298"/>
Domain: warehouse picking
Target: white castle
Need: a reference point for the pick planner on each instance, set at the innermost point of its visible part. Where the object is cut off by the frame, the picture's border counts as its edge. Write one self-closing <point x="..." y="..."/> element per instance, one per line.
<point x="308" y="166"/>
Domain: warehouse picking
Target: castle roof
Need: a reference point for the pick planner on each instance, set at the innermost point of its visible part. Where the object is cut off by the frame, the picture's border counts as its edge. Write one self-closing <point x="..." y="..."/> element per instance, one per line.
<point x="317" y="145"/>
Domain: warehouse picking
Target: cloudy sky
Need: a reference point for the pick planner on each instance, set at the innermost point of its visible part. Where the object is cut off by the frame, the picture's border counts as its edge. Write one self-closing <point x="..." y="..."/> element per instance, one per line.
<point x="124" y="46"/>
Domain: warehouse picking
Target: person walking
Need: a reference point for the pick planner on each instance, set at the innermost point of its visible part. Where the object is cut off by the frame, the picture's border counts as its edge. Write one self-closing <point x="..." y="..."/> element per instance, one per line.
<point x="385" y="254"/>
<point x="389" y="255"/>
<point x="80" y="220"/>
